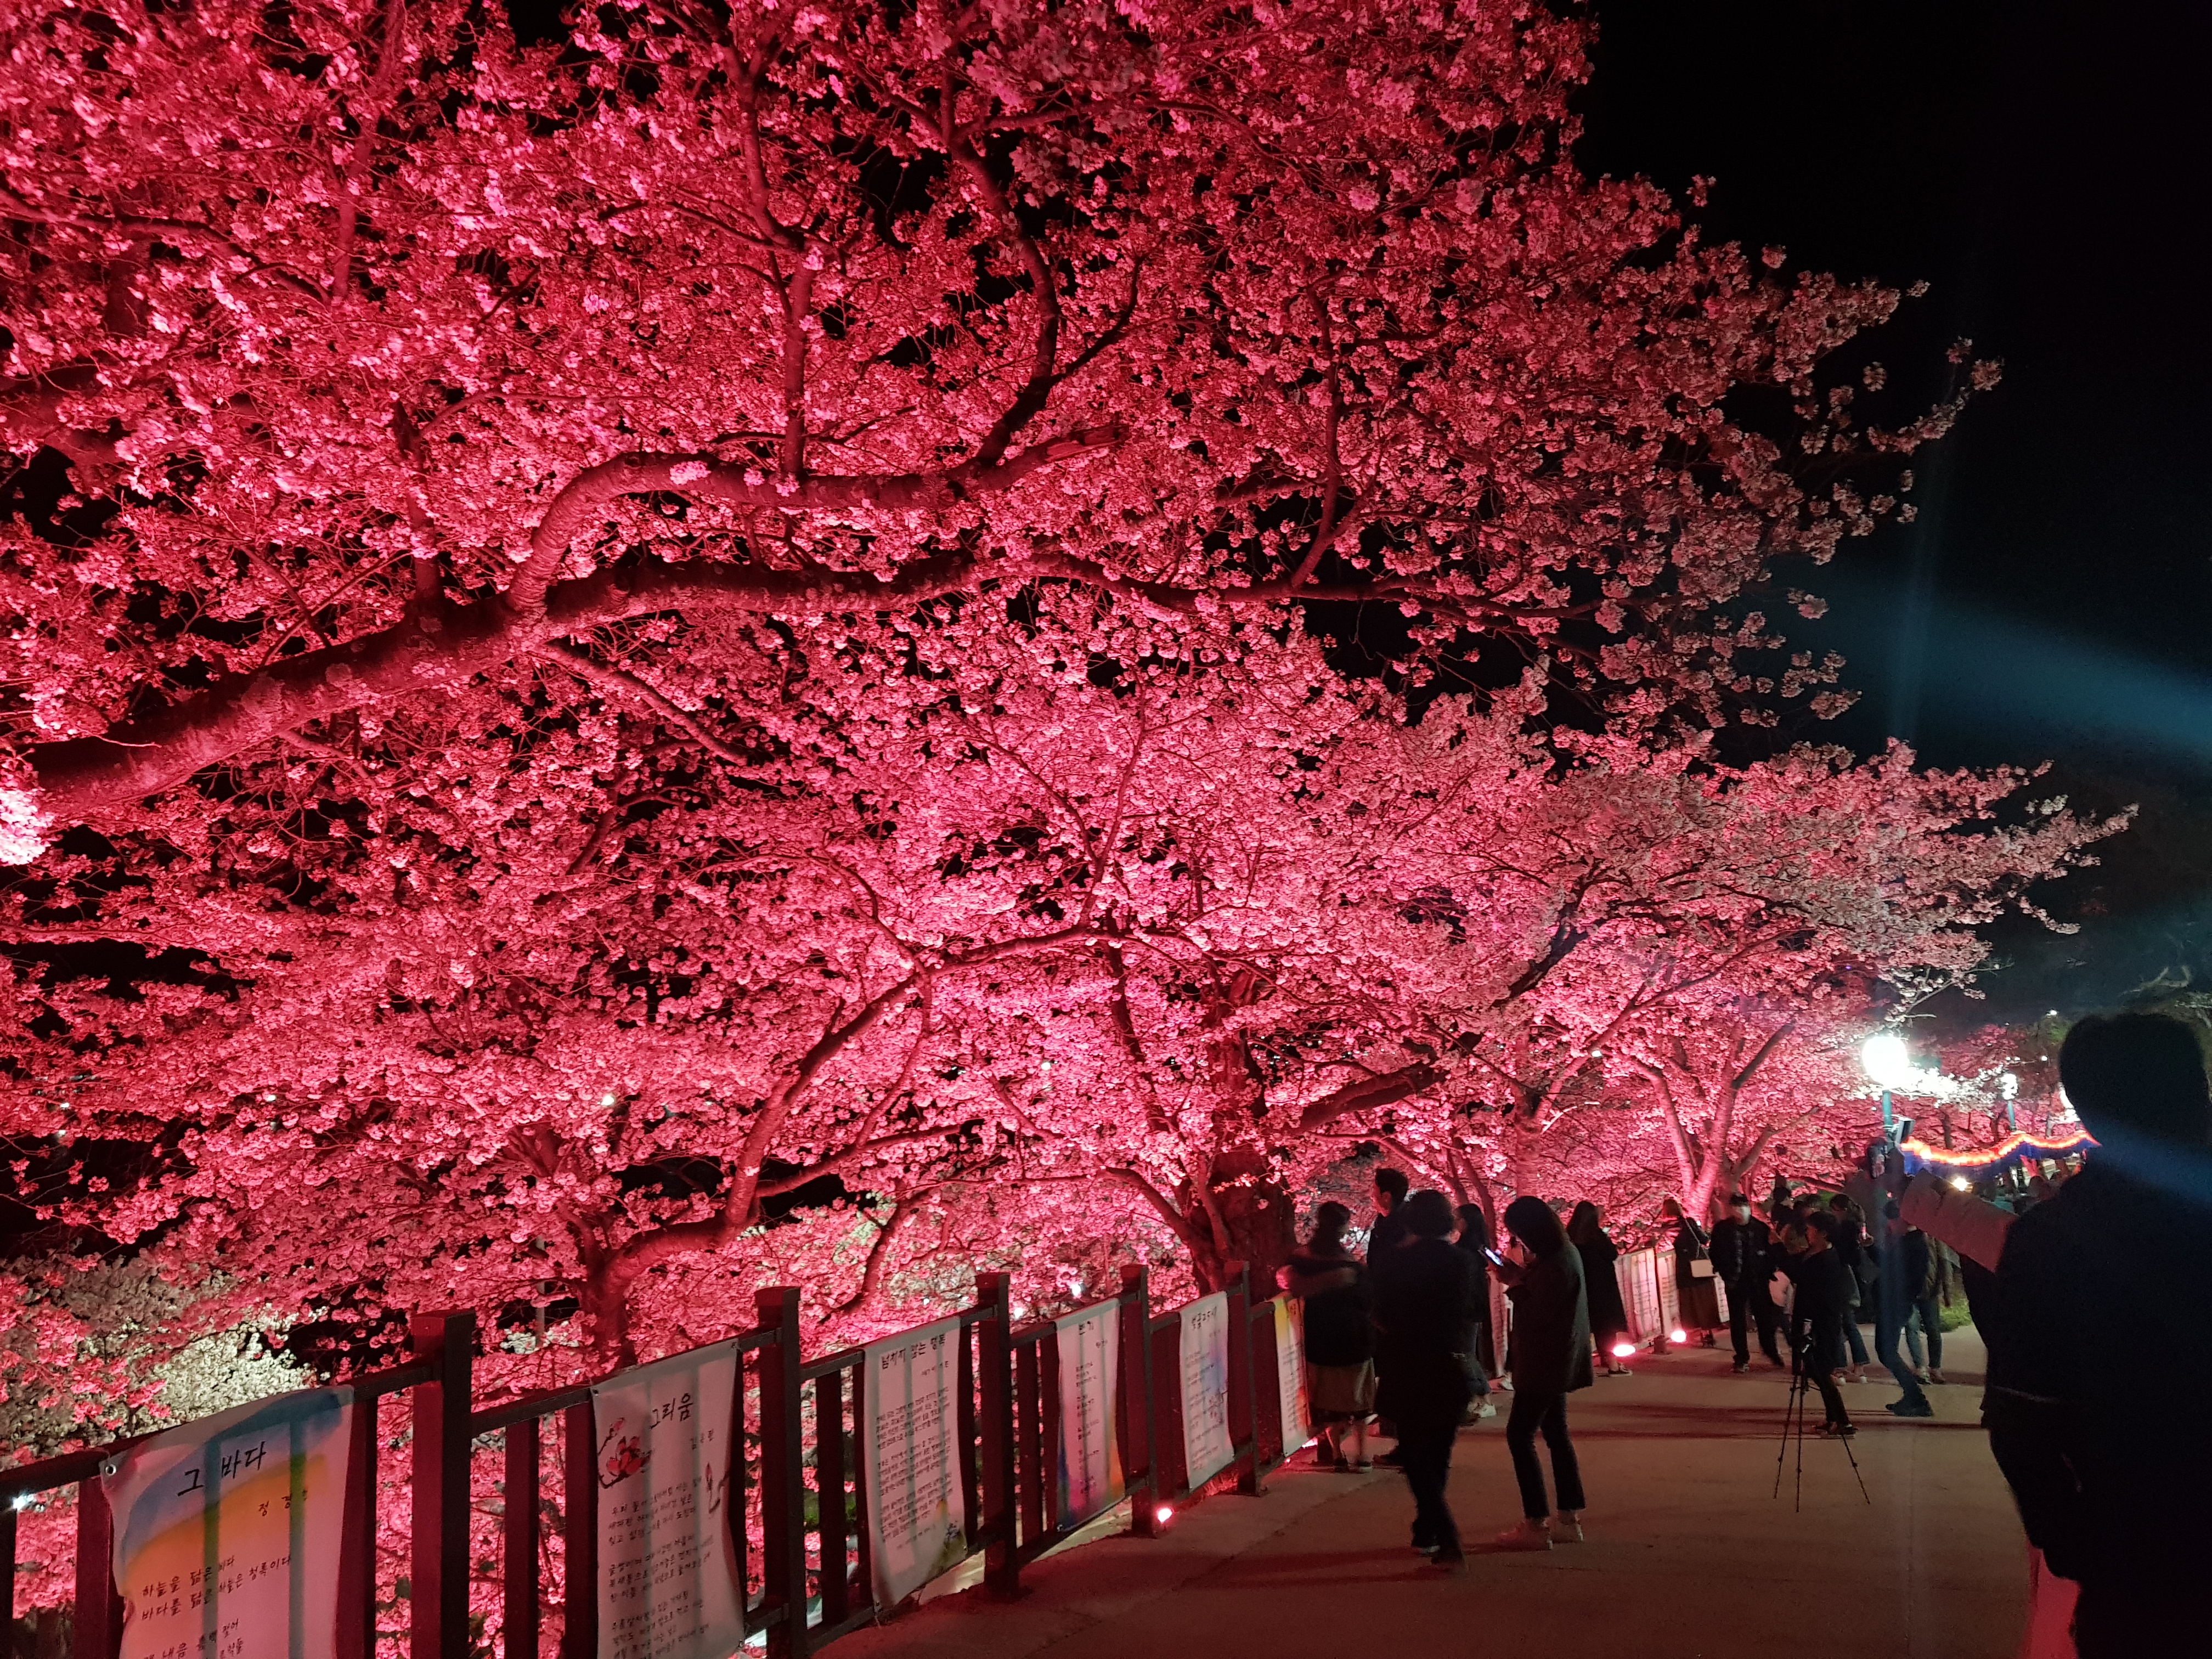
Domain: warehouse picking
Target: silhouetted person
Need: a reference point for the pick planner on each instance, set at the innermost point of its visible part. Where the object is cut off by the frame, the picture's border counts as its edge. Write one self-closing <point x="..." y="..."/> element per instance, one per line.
<point x="1698" y="1304"/>
<point x="1743" y="1260"/>
<point x="1859" y="1261"/>
<point x="1822" y="1303"/>
<point x="1609" y="1315"/>
<point x="1384" y="1242"/>
<point x="1474" y="1240"/>
<point x="1422" y="1307"/>
<point x="1389" y="1229"/>
<point x="1340" y="1340"/>
<point x="1923" y="1325"/>
<point x="2102" y="1341"/>
<point x="1894" y="1290"/>
<point x="1551" y="1359"/>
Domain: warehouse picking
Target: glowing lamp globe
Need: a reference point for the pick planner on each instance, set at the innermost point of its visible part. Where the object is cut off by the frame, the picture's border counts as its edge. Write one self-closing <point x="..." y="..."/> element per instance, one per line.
<point x="1678" y="1336"/>
<point x="1164" y="1514"/>
<point x="1887" y="1061"/>
<point x="1623" y="1350"/>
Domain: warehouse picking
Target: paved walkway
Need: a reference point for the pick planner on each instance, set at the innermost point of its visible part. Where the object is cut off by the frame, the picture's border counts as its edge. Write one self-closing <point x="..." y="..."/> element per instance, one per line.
<point x="1690" y="1556"/>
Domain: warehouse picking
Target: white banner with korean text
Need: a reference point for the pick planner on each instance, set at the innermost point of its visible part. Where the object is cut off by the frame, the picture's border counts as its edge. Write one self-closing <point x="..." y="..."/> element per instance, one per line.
<point x="228" y="1531"/>
<point x="668" y="1566"/>
<point x="1090" y="1345"/>
<point x="910" y="1448"/>
<point x="1206" y="1447"/>
<point x="1291" y="1373"/>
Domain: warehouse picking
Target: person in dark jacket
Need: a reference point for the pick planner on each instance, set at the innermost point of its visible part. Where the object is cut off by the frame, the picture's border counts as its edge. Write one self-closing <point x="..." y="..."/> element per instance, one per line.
<point x="1852" y="1245"/>
<point x="1743" y="1260"/>
<point x="2101" y="1341"/>
<point x="1389" y="1229"/>
<point x="1609" y="1315"/>
<point x="1474" y="1240"/>
<point x="1340" y="1340"/>
<point x="1923" y="1325"/>
<point x="1696" y="1302"/>
<point x="1892" y="1290"/>
<point x="1822" y="1303"/>
<point x="1551" y="1359"/>
<point x="1422" y="1307"/>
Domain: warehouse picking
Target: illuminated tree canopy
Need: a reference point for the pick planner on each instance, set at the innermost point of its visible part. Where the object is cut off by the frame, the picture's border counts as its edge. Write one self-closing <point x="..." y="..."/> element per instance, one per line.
<point x="703" y="652"/>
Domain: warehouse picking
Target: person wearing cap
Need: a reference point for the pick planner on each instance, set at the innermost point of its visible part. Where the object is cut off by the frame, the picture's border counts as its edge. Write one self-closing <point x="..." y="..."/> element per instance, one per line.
<point x="1743" y="1257"/>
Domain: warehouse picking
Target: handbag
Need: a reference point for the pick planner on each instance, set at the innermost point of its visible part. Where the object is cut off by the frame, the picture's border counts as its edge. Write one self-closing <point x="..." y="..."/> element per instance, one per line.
<point x="1701" y="1266"/>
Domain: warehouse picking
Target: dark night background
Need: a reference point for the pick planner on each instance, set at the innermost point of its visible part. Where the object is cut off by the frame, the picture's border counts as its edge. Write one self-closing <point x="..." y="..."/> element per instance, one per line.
<point x="2042" y="166"/>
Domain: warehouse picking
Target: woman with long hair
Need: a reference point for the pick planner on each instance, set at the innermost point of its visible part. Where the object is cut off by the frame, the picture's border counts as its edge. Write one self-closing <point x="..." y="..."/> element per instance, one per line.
<point x="1698" y="1302"/>
<point x="1474" y="1240"/>
<point x="1551" y="1359"/>
<point x="1340" y="1340"/>
<point x="1609" y="1315"/>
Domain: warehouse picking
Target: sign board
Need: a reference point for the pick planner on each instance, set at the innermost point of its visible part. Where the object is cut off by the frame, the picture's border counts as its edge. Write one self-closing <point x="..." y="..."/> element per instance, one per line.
<point x="228" y="1531"/>
<point x="1090" y="1344"/>
<point x="1293" y="1412"/>
<point x="917" y="1519"/>
<point x="1206" y="1448"/>
<point x="668" y="1567"/>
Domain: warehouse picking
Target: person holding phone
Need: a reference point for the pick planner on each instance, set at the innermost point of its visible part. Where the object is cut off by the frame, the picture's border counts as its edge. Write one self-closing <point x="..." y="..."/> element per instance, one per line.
<point x="1474" y="1241"/>
<point x="1551" y="1359"/>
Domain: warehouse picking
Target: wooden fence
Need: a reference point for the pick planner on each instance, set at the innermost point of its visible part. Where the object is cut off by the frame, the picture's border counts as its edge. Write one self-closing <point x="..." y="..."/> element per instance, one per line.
<point x="798" y="1524"/>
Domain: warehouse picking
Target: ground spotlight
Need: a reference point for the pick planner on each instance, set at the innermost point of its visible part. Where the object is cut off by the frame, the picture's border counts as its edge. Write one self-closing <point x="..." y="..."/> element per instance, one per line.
<point x="1623" y="1350"/>
<point x="1163" y="1515"/>
<point x="1678" y="1336"/>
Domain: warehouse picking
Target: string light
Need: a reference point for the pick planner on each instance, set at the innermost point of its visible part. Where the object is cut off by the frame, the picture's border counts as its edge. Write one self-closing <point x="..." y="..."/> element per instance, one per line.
<point x="2003" y="1149"/>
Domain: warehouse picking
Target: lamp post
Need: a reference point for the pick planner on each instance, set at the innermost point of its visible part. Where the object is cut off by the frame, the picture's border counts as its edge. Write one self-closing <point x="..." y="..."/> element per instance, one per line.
<point x="1888" y="1063"/>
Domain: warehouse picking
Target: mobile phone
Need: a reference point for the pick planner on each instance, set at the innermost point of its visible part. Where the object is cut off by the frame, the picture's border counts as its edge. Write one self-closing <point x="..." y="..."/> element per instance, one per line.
<point x="1495" y="1257"/>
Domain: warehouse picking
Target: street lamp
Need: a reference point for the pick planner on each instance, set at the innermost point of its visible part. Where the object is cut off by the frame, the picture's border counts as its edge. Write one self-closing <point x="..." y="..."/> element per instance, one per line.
<point x="1888" y="1063"/>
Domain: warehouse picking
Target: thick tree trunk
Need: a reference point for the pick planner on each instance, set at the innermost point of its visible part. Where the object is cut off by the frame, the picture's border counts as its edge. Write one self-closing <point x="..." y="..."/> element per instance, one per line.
<point x="1257" y="1224"/>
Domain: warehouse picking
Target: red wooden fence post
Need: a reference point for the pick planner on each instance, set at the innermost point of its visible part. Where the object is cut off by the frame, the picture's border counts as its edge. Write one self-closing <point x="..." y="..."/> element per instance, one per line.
<point x="994" y="1428"/>
<point x="8" y="1560"/>
<point x="1243" y="1396"/>
<point x="357" y="1571"/>
<point x="579" y="1533"/>
<point x="1136" y="1403"/>
<point x="520" y="1601"/>
<point x="98" y="1624"/>
<point x="783" y="1494"/>
<point x="438" y="1609"/>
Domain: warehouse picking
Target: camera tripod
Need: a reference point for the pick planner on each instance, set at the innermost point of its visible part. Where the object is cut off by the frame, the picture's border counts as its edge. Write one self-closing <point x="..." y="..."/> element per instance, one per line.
<point x="1793" y="1420"/>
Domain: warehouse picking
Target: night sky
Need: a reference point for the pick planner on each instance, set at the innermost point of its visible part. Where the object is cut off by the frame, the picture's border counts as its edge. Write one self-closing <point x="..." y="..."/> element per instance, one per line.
<point x="2043" y="165"/>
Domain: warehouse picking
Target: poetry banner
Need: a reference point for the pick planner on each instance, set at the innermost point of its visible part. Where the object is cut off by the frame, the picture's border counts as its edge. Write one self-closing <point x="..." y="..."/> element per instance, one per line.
<point x="1291" y="1373"/>
<point x="1206" y="1448"/>
<point x="917" y="1520"/>
<point x="1089" y="1342"/>
<point x="228" y="1531"/>
<point x="668" y="1564"/>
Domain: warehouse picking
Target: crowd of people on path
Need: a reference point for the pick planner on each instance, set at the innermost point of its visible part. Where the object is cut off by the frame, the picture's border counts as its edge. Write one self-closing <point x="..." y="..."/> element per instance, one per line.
<point x="2093" y="1294"/>
<point x="1403" y="1335"/>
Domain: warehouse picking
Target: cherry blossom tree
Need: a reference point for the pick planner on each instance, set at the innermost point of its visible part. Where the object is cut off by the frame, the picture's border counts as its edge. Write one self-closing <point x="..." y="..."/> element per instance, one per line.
<point x="396" y="356"/>
<point x="1719" y="940"/>
<point x="646" y="628"/>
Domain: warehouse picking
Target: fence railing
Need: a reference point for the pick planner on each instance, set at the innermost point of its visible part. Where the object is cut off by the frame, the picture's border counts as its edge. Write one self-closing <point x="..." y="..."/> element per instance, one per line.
<point x="798" y="1508"/>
